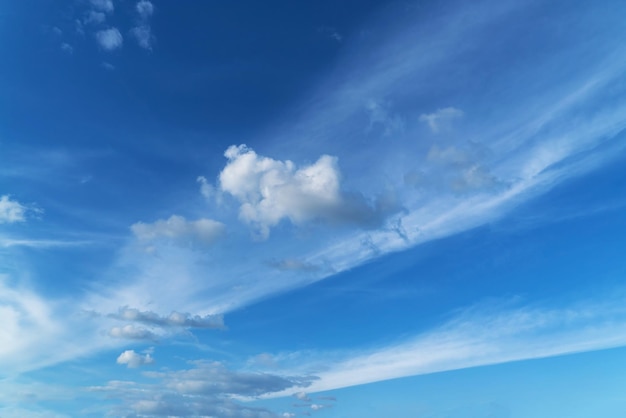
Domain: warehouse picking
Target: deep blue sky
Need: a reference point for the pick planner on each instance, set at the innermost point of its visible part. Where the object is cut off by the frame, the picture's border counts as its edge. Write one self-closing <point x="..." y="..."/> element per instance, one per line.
<point x="335" y="209"/>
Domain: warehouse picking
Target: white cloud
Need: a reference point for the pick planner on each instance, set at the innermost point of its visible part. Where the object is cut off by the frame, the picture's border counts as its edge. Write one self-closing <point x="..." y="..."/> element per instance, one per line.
<point x="11" y="211"/>
<point x="133" y="360"/>
<point x="441" y="119"/>
<point x="481" y="337"/>
<point x="206" y="189"/>
<point x="67" y="48"/>
<point x="145" y="9"/>
<point x="301" y="396"/>
<point x="103" y="5"/>
<point x="143" y="36"/>
<point x="175" y="319"/>
<point x="271" y="190"/>
<point x="177" y="228"/>
<point x="109" y="39"/>
<point x="94" y="17"/>
<point x="132" y="332"/>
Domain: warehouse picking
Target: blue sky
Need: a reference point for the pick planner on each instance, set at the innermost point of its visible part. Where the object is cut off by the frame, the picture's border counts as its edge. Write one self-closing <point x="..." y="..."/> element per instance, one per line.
<point x="334" y="209"/>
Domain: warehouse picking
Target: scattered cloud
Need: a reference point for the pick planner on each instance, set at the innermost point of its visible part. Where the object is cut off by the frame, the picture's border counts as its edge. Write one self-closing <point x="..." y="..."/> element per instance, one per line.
<point x="133" y="360"/>
<point x="110" y="39"/>
<point x="67" y="48"/>
<point x="145" y="9"/>
<point x="271" y="190"/>
<point x="208" y="388"/>
<point x="442" y="119"/>
<point x="177" y="228"/>
<point x="94" y="18"/>
<point x="142" y="32"/>
<point x="11" y="211"/>
<point x="206" y="189"/>
<point x="143" y="36"/>
<point x="175" y="319"/>
<point x="380" y="116"/>
<point x="132" y="332"/>
<point x="301" y="396"/>
<point x="105" y="6"/>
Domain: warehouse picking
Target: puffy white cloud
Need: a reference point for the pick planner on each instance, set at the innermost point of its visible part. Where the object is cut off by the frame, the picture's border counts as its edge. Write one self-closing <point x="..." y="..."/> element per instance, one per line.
<point x="103" y="5"/>
<point x="133" y="360"/>
<point x="441" y="119"/>
<point x="271" y="190"/>
<point x="145" y="9"/>
<point x="177" y="228"/>
<point x="11" y="210"/>
<point x="110" y="39"/>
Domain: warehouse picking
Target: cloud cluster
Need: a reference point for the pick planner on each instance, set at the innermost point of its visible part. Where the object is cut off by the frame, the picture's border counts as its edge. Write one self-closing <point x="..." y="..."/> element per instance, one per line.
<point x="133" y="360"/>
<point x="142" y="32"/>
<point x="206" y="389"/>
<point x="177" y="228"/>
<point x="272" y="190"/>
<point x="11" y="211"/>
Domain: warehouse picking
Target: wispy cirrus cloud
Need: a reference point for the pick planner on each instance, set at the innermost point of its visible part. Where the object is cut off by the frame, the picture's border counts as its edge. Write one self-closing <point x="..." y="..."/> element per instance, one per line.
<point x="482" y="336"/>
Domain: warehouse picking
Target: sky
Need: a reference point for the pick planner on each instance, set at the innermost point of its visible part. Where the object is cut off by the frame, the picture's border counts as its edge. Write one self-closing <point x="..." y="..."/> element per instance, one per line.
<point x="332" y="209"/>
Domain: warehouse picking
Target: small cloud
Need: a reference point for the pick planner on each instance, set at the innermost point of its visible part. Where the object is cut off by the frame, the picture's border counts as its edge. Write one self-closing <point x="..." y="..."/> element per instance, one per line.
<point x="108" y="66"/>
<point x="330" y="33"/>
<point x="94" y="18"/>
<point x="67" y="48"/>
<point x="381" y="117"/>
<point x="145" y="9"/>
<point x="133" y="360"/>
<point x="177" y="228"/>
<point x="441" y="119"/>
<point x="110" y="39"/>
<point x="103" y="6"/>
<point x="288" y="415"/>
<point x="206" y="189"/>
<point x="132" y="332"/>
<point x="175" y="319"/>
<point x="11" y="211"/>
<point x="302" y="396"/>
<point x="143" y="36"/>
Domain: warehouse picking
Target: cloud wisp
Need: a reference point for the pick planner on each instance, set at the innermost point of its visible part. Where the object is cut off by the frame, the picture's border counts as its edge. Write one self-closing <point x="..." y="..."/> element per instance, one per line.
<point x="479" y="337"/>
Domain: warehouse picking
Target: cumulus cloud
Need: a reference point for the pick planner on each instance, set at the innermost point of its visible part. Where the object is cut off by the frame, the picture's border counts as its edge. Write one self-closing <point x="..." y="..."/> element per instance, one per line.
<point x="11" y="211"/>
<point x="177" y="228"/>
<point x="109" y="39"/>
<point x="175" y="319"/>
<point x="441" y="119"/>
<point x="271" y="190"/>
<point x="103" y="5"/>
<point x="133" y="360"/>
